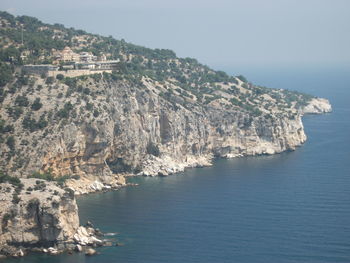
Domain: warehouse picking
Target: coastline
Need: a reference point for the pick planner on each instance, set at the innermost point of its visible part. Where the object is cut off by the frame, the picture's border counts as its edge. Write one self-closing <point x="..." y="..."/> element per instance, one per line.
<point x="79" y="236"/>
<point x="166" y="165"/>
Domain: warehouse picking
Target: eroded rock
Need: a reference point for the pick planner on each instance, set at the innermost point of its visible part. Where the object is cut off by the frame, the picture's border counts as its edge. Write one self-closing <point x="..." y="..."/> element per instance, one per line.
<point x="47" y="215"/>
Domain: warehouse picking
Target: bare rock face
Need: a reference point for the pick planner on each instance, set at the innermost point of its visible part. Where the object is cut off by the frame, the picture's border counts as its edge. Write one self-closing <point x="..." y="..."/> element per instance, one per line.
<point x="144" y="134"/>
<point x="86" y="236"/>
<point x="42" y="215"/>
<point x="137" y="131"/>
<point x="93" y="183"/>
<point x="317" y="106"/>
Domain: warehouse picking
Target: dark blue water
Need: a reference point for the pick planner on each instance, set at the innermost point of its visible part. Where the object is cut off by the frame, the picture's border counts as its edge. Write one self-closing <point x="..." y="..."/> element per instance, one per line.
<point x="291" y="207"/>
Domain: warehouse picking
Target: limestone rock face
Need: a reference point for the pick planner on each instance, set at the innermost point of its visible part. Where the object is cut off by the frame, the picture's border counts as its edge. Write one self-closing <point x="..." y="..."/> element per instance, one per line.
<point x="45" y="215"/>
<point x="317" y="106"/>
<point x="139" y="132"/>
<point x="92" y="183"/>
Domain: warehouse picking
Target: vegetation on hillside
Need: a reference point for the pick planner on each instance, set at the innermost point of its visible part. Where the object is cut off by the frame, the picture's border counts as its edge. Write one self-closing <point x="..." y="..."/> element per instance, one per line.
<point x="29" y="36"/>
<point x="36" y="104"/>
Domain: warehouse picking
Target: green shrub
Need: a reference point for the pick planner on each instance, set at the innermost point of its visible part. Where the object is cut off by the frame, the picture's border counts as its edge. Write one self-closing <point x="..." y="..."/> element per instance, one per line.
<point x="60" y="76"/>
<point x="40" y="186"/>
<point x="96" y="113"/>
<point x="11" y="143"/>
<point x="86" y="91"/>
<point x="233" y="80"/>
<point x="6" y="72"/>
<point x="64" y="113"/>
<point x="50" y="80"/>
<point x="235" y="102"/>
<point x="16" y="182"/>
<point x="36" y="104"/>
<point x="96" y="77"/>
<point x="16" y="199"/>
<point x="4" y="178"/>
<point x="22" y="80"/>
<point x="32" y="203"/>
<point x="7" y="217"/>
<point x="33" y="125"/>
<point x="80" y="88"/>
<point x="242" y="78"/>
<point x="22" y="101"/>
<point x="70" y="82"/>
<point x="89" y="106"/>
<point x="47" y="175"/>
<point x="62" y="179"/>
<point x="5" y="128"/>
<point x="14" y="112"/>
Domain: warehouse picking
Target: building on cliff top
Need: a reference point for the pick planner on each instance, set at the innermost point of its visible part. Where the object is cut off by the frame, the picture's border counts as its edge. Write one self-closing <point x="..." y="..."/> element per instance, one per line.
<point x="71" y="64"/>
<point x="66" y="55"/>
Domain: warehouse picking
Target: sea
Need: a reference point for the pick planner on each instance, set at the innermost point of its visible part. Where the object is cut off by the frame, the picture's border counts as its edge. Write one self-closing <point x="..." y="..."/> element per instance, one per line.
<point x="285" y="208"/>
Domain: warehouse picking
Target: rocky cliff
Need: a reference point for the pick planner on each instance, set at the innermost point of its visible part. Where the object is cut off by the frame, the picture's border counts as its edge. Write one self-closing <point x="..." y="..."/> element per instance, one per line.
<point x="39" y="214"/>
<point x="138" y="131"/>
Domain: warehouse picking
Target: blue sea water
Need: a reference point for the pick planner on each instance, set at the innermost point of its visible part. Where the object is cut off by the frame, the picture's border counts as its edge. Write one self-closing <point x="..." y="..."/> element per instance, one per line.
<point x="290" y="207"/>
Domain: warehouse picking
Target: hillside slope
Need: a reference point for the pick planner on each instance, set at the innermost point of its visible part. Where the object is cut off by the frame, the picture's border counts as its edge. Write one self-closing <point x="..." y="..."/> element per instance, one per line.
<point x="151" y="114"/>
<point x="155" y="114"/>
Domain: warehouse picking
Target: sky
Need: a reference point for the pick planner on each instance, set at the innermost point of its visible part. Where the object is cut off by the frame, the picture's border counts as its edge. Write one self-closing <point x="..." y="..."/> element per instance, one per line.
<point x="220" y="33"/>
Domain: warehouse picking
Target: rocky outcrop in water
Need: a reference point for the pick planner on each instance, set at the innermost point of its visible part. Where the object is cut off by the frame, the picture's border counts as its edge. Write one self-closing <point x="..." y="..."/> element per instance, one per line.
<point x="38" y="214"/>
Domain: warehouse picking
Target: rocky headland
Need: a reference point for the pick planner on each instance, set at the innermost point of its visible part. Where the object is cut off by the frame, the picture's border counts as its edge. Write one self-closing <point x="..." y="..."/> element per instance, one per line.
<point x="154" y="115"/>
<point x="40" y="216"/>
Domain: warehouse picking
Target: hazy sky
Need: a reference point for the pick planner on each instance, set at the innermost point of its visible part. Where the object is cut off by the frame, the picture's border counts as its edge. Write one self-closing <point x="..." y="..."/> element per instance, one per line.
<point x="220" y="33"/>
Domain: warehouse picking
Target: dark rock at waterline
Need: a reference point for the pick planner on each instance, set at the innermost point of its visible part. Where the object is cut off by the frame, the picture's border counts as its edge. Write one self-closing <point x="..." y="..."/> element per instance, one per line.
<point x="98" y="232"/>
<point x="89" y="224"/>
<point x="37" y="249"/>
<point x="10" y="251"/>
<point x="78" y="248"/>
